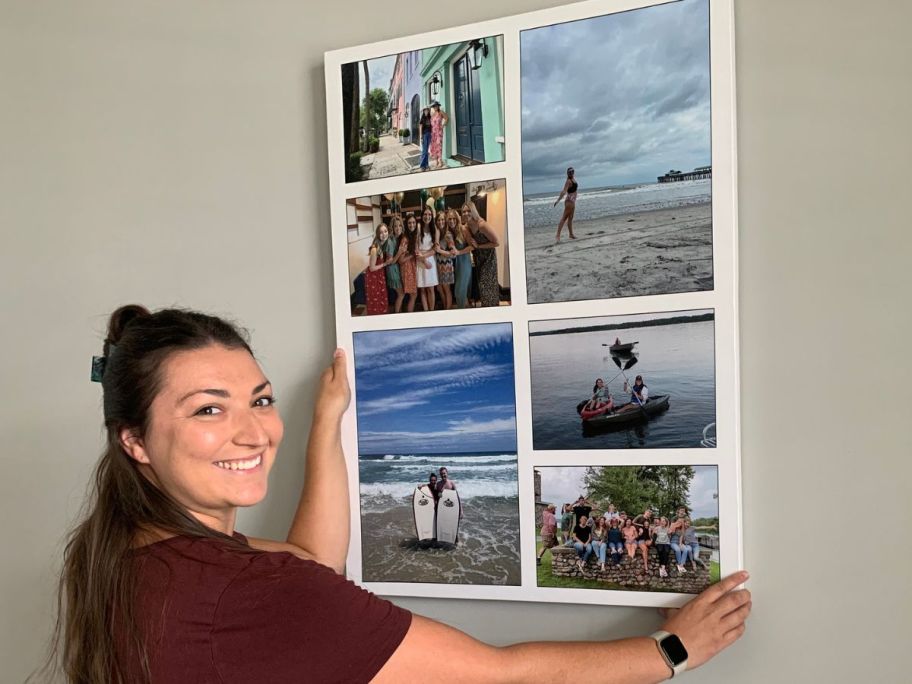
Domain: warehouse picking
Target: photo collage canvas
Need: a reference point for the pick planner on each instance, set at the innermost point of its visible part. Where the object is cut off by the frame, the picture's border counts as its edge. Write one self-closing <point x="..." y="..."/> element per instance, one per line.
<point x="535" y="277"/>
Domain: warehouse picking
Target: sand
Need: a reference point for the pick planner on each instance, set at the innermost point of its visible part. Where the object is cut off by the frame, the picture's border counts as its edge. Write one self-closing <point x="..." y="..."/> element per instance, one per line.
<point x="645" y="253"/>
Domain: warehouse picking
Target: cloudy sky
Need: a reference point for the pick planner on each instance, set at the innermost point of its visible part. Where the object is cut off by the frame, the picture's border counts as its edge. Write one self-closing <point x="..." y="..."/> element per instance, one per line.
<point x="436" y="390"/>
<point x="563" y="485"/>
<point x="380" y="70"/>
<point x="622" y="98"/>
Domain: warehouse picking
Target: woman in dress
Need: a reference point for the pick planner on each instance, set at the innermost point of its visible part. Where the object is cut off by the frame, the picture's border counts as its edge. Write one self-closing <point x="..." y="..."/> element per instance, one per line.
<point x="630" y="538"/>
<point x="446" y="257"/>
<point x="485" y="253"/>
<point x="408" y="246"/>
<point x="158" y="585"/>
<point x="570" y="192"/>
<point x="463" y="244"/>
<point x="600" y="541"/>
<point x="427" y="259"/>
<point x="439" y="119"/>
<point x="393" y="276"/>
<point x="374" y="274"/>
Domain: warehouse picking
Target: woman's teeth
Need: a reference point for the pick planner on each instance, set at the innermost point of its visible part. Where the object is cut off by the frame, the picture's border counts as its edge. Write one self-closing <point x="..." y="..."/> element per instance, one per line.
<point x="240" y="465"/>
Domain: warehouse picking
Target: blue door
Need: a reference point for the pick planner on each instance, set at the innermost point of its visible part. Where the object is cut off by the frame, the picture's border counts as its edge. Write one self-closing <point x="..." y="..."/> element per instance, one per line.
<point x="469" y="126"/>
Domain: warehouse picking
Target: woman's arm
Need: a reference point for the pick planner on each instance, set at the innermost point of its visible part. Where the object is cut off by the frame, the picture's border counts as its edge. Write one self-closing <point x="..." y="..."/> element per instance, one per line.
<point x="706" y="625"/>
<point x="324" y="500"/>
<point x="563" y="192"/>
<point x="374" y="266"/>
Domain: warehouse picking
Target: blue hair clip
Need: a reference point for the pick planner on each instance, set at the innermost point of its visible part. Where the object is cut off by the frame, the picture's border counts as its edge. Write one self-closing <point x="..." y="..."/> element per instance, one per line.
<point x="98" y="367"/>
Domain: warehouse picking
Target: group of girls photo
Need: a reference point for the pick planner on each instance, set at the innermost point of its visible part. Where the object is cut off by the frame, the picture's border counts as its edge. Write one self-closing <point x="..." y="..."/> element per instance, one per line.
<point x="438" y="260"/>
<point x="615" y="538"/>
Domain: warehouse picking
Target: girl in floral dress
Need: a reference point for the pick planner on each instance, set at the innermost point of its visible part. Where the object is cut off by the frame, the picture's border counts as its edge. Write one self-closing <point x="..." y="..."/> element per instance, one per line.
<point x="375" y="276"/>
<point x="408" y="246"/>
<point x="439" y="119"/>
<point x="446" y="255"/>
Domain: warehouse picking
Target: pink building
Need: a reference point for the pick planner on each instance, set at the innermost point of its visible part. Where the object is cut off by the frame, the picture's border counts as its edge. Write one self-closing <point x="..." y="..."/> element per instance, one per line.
<point x="397" y="114"/>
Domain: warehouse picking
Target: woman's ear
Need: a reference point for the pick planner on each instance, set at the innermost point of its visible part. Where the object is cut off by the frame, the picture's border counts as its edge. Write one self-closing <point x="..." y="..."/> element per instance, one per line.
<point x="133" y="445"/>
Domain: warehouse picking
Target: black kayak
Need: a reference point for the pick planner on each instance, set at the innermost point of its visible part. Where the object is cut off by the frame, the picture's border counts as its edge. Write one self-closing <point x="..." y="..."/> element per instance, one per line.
<point x="624" y="348"/>
<point x="653" y="406"/>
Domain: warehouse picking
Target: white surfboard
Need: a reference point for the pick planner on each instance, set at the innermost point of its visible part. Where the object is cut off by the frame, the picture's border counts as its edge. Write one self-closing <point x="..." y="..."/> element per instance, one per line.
<point x="423" y="507"/>
<point x="448" y="516"/>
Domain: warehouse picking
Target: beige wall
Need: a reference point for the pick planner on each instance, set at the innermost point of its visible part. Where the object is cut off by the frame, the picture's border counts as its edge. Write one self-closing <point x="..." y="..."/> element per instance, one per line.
<point x="167" y="152"/>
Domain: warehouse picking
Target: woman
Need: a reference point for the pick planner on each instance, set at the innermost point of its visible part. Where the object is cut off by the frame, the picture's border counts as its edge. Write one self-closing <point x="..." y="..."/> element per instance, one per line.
<point x="375" y="278"/>
<point x="427" y="260"/>
<point x="486" y="243"/>
<point x="615" y="540"/>
<point x="157" y="585"/>
<point x="439" y="119"/>
<point x="581" y="535"/>
<point x="463" y="244"/>
<point x="408" y="248"/>
<point x="548" y="532"/>
<point x="424" y="130"/>
<point x="600" y="541"/>
<point x="569" y="190"/>
<point x="689" y="540"/>
<point x="393" y="276"/>
<point x="680" y="549"/>
<point x="446" y="256"/>
<point x="630" y="538"/>
<point x="644" y="541"/>
<point x="639" y="395"/>
<point x="662" y="544"/>
<point x="601" y="398"/>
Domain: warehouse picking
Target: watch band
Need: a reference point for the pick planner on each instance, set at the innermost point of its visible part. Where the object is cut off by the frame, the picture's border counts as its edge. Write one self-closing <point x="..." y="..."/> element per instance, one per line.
<point x="676" y="668"/>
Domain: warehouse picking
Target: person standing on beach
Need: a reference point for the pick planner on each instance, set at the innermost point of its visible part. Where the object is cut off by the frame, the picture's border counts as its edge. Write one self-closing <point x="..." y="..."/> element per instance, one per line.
<point x="570" y="191"/>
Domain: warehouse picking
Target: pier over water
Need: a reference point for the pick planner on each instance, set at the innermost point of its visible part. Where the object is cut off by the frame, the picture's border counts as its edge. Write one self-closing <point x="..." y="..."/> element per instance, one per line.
<point x="697" y="174"/>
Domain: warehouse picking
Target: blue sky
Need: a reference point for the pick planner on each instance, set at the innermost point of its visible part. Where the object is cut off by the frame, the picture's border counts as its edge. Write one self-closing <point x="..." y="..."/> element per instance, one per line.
<point x="436" y="390"/>
<point x="622" y="98"/>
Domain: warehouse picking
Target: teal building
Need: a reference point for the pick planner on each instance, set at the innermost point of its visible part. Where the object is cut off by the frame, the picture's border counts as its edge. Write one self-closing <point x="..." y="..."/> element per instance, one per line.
<point x="467" y="80"/>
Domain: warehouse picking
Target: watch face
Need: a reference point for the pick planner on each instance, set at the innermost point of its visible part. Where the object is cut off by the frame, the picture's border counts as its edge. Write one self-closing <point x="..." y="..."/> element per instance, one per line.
<point x="674" y="649"/>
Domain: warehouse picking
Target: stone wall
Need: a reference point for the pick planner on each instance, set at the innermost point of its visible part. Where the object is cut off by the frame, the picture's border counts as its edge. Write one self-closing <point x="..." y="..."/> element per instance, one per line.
<point x="629" y="572"/>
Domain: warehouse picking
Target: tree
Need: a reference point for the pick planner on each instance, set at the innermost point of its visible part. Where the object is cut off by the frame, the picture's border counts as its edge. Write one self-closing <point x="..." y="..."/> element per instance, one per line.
<point x="373" y="112"/>
<point x="635" y="488"/>
<point x="350" y="109"/>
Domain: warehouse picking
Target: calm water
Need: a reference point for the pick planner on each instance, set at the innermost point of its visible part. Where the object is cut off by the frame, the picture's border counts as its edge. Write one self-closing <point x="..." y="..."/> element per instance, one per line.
<point x="674" y="359"/>
<point x="538" y="210"/>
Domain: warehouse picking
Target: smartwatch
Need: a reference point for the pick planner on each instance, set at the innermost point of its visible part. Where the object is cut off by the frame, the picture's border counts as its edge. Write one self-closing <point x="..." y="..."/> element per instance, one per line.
<point x="672" y="651"/>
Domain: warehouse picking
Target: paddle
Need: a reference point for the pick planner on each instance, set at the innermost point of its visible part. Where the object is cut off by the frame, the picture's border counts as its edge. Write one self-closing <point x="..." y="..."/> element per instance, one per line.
<point x="617" y="362"/>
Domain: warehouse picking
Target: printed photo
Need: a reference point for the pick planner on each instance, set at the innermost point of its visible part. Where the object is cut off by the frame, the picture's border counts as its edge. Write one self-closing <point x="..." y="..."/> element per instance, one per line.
<point x="436" y="414"/>
<point x="618" y="382"/>
<point x="430" y="249"/>
<point x="435" y="108"/>
<point x="616" y="155"/>
<point x="636" y="528"/>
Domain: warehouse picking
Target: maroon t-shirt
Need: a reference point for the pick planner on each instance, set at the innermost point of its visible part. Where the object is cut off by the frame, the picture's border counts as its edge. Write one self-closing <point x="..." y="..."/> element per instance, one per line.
<point x="211" y="613"/>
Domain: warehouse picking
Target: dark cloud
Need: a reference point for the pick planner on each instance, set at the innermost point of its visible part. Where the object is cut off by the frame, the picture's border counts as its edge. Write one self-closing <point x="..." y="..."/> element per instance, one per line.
<point x="622" y="97"/>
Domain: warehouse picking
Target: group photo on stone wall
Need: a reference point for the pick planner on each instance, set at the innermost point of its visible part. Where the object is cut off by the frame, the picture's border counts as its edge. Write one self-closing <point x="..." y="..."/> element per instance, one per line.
<point x="424" y="110"/>
<point x="636" y="528"/>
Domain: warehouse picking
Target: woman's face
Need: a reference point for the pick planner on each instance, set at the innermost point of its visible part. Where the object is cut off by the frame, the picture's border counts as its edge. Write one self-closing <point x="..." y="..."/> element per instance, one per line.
<point x="411" y="223"/>
<point x="397" y="227"/>
<point x="213" y="433"/>
<point x="466" y="214"/>
<point x="452" y="222"/>
<point x="599" y="383"/>
<point x="433" y="479"/>
<point x="582" y="521"/>
<point x="440" y="221"/>
<point x="570" y="173"/>
<point x="383" y="232"/>
<point x="427" y="216"/>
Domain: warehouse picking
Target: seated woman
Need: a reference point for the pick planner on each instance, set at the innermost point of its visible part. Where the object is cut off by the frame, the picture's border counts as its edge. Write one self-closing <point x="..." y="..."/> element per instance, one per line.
<point x="615" y="540"/>
<point x="601" y="398"/>
<point x="600" y="541"/>
<point x="158" y="585"/>
<point x="630" y="538"/>
<point x="582" y="533"/>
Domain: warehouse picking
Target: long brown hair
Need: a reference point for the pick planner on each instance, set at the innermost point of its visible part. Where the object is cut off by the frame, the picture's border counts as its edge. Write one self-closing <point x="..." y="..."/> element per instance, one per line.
<point x="96" y="626"/>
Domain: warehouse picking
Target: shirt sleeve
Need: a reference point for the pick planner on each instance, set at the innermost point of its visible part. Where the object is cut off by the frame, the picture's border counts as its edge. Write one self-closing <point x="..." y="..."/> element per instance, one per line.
<point x="284" y="619"/>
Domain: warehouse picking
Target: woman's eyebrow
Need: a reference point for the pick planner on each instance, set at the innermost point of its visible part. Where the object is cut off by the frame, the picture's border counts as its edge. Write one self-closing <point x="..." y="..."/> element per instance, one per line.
<point x="224" y="394"/>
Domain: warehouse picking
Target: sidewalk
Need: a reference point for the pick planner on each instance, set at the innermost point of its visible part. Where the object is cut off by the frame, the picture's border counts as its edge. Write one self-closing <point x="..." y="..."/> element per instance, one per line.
<point x="393" y="159"/>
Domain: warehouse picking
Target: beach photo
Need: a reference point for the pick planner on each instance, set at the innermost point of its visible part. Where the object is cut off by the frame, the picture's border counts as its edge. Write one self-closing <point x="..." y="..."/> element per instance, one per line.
<point x="617" y="382"/>
<point x="429" y="109"/>
<point x="436" y="412"/>
<point x="616" y="155"/>
<point x="634" y="528"/>
<point x="429" y="249"/>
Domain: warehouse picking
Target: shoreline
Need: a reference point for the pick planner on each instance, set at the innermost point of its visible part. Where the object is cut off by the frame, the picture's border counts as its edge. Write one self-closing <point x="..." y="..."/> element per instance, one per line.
<point x="660" y="251"/>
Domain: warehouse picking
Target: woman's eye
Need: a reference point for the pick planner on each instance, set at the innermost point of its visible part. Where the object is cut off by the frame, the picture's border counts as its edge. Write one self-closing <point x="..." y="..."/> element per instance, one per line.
<point x="264" y="401"/>
<point x="208" y="411"/>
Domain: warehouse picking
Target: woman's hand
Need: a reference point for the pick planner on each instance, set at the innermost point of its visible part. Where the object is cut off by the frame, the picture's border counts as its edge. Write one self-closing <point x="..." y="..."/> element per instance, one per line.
<point x="334" y="393"/>
<point x="712" y="621"/>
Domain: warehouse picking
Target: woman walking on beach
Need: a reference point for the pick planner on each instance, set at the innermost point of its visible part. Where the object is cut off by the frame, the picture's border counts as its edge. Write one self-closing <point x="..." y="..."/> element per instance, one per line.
<point x="439" y="119"/>
<point x="446" y="257"/>
<point x="427" y="259"/>
<point x="570" y="191"/>
<point x="393" y="276"/>
<point x="486" y="243"/>
<point x="408" y="246"/>
<point x="375" y="277"/>
<point x="462" y="242"/>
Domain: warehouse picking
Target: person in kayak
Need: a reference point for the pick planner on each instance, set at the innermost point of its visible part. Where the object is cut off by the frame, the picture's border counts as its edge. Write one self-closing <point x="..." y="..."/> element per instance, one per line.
<point x="639" y="395"/>
<point x="601" y="398"/>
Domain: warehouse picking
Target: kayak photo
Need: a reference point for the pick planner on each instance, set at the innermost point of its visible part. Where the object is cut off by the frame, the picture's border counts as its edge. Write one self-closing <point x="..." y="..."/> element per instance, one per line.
<point x="617" y="177"/>
<point x="628" y="528"/>
<point x="437" y="466"/>
<point x="616" y="382"/>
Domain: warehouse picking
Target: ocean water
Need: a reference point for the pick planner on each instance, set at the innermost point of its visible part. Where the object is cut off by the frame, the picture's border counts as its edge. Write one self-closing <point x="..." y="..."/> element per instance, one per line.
<point x="538" y="210"/>
<point x="487" y="552"/>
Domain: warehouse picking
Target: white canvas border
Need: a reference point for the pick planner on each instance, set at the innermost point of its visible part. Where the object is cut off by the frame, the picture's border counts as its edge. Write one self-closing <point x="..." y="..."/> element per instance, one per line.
<point x="723" y="299"/>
